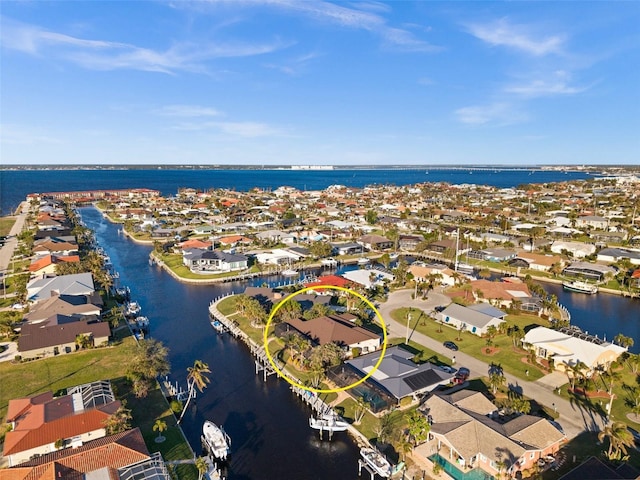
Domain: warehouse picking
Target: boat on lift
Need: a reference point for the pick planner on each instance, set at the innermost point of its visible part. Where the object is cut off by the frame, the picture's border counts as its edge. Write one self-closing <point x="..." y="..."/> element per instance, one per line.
<point x="218" y="326"/>
<point x="216" y="440"/>
<point x="328" y="422"/>
<point x="376" y="461"/>
<point x="329" y="262"/>
<point x="289" y="272"/>
<point x="132" y="309"/>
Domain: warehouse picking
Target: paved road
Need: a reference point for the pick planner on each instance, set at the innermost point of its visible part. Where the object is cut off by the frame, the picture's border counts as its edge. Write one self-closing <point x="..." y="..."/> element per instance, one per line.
<point x="6" y="251"/>
<point x="573" y="418"/>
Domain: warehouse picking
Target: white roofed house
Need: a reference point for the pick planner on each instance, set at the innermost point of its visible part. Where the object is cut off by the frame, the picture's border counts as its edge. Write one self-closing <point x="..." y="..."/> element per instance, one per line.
<point x="577" y="249"/>
<point x="74" y="284"/>
<point x="592" y="221"/>
<point x="572" y="347"/>
<point x="213" y="261"/>
<point x="475" y="319"/>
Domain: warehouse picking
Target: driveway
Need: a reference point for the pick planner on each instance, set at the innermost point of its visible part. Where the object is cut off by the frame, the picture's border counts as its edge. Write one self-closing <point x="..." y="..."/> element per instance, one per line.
<point x="573" y="417"/>
<point x="10" y="353"/>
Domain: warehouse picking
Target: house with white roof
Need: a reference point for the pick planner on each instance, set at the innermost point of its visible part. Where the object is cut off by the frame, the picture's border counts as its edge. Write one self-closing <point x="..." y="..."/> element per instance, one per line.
<point x="566" y="349"/>
<point x="475" y="319"/>
<point x="369" y="277"/>
<point x="74" y="284"/>
<point x="577" y="249"/>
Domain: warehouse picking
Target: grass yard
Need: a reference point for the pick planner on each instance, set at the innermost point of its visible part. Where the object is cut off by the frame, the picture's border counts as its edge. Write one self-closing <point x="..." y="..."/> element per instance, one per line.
<point x="57" y="373"/>
<point x="506" y="354"/>
<point x="174" y="262"/>
<point x="5" y="225"/>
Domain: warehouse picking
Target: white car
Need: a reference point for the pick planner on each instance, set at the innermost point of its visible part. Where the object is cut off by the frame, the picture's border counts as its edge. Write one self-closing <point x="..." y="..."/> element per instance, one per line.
<point x="18" y="306"/>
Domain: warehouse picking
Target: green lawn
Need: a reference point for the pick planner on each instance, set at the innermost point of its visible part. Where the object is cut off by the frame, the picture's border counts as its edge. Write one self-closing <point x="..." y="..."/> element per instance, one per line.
<point x="620" y="408"/>
<point x="506" y="355"/>
<point x="57" y="373"/>
<point x="174" y="262"/>
<point x="5" y="225"/>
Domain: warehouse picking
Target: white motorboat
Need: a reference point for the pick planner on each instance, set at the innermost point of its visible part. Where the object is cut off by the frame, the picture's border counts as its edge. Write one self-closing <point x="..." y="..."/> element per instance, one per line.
<point x="216" y="440"/>
<point x="218" y="326"/>
<point x="142" y="323"/>
<point x="328" y="422"/>
<point x="289" y="272"/>
<point x="132" y="309"/>
<point x="328" y="262"/>
<point x="363" y="261"/>
<point x="580" y="287"/>
<point x="376" y="461"/>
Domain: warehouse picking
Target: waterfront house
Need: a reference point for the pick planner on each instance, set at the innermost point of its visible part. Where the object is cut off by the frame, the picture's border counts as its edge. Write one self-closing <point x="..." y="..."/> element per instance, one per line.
<point x="46" y="265"/>
<point x="213" y="261"/>
<point x="468" y="431"/>
<point x="421" y="273"/>
<point x="398" y="375"/>
<point x="475" y="319"/>
<point x="590" y="271"/>
<point x="375" y="242"/>
<point x="349" y="248"/>
<point x="409" y="242"/>
<point x="535" y="261"/>
<point x="368" y="278"/>
<point x="498" y="254"/>
<point x="78" y="306"/>
<point x="570" y="347"/>
<point x="39" y="421"/>
<point x="73" y="284"/>
<point x="57" y="335"/>
<point x="49" y="246"/>
<point x="122" y="456"/>
<point x="335" y="328"/>
<point x="500" y="294"/>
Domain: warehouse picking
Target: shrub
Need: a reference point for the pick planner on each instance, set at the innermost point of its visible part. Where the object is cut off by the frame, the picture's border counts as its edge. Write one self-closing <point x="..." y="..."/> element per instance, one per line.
<point x="176" y="406"/>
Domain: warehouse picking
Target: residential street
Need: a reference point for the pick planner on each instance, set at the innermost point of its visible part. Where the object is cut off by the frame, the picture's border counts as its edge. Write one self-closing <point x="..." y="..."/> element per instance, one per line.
<point x="573" y="418"/>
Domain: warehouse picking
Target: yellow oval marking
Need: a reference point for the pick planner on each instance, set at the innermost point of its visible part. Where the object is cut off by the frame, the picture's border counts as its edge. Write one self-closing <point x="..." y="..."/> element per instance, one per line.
<point x="325" y="390"/>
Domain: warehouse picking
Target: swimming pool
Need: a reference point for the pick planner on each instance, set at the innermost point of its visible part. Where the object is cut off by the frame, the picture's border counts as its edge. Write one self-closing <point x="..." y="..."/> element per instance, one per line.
<point x="456" y="473"/>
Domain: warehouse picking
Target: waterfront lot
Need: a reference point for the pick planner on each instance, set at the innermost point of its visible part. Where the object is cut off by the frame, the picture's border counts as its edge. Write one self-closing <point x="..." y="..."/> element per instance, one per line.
<point x="58" y="373"/>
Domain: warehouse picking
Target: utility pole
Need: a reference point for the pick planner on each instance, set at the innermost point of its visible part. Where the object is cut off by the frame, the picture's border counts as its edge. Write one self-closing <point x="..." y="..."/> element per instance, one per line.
<point x="408" y="321"/>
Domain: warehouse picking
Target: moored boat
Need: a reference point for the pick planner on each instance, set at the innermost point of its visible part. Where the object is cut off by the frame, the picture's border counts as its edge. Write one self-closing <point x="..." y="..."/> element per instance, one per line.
<point x="580" y="287"/>
<point x="363" y="261"/>
<point x="132" y="309"/>
<point x="218" y="326"/>
<point x="328" y="422"/>
<point x="376" y="461"/>
<point x="329" y="262"/>
<point x="216" y="440"/>
<point x="289" y="272"/>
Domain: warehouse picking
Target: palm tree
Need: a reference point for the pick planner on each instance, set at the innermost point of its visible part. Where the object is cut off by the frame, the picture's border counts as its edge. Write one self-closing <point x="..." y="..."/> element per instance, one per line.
<point x="201" y="465"/>
<point x="84" y="341"/>
<point x="359" y="410"/>
<point x="496" y="380"/>
<point x="118" y="421"/>
<point x="160" y="426"/>
<point x="574" y="372"/>
<point x="619" y="439"/>
<point x="195" y="378"/>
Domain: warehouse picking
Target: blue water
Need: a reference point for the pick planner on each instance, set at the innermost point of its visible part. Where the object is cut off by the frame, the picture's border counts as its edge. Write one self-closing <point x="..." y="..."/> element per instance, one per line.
<point x="16" y="184"/>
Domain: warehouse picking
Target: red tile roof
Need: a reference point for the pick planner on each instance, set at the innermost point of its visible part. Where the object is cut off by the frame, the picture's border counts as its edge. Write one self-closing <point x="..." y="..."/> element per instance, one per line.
<point x="45" y="422"/>
<point x="111" y="452"/>
<point x="330" y="280"/>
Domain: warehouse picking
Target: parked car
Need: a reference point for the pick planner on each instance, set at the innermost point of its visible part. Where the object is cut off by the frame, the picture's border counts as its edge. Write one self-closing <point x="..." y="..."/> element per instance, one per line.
<point x="448" y="369"/>
<point x="450" y="345"/>
<point x="461" y="375"/>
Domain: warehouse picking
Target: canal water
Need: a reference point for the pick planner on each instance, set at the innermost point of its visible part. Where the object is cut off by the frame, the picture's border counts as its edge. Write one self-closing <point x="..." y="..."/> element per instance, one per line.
<point x="268" y="425"/>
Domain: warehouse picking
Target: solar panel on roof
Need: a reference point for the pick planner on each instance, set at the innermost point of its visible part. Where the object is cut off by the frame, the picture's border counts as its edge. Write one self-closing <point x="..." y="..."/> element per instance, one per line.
<point x="422" y="380"/>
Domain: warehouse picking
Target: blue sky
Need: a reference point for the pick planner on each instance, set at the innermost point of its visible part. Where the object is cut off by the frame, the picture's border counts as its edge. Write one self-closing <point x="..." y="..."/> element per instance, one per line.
<point x="302" y="82"/>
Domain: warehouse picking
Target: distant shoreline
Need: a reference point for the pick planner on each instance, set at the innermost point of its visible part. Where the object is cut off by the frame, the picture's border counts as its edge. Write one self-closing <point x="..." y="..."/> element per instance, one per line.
<point x="319" y="168"/>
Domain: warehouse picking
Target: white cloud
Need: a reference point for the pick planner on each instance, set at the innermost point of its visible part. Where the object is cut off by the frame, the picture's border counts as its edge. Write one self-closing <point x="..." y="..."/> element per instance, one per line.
<point x="498" y="113"/>
<point x="366" y="16"/>
<point x="108" y="55"/>
<point x="558" y="84"/>
<point x="188" y="111"/>
<point x="518" y="37"/>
